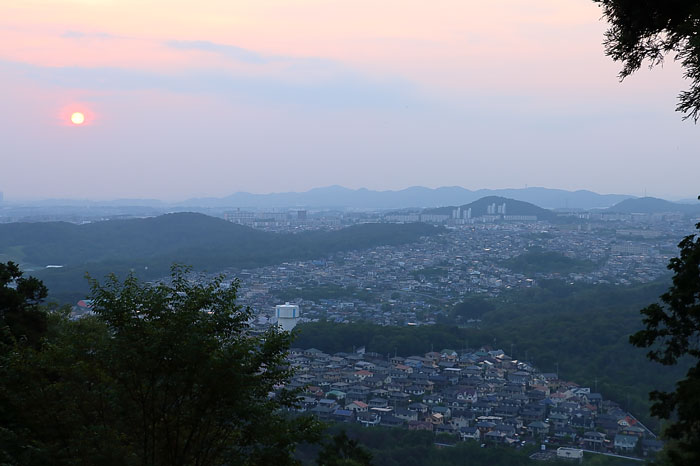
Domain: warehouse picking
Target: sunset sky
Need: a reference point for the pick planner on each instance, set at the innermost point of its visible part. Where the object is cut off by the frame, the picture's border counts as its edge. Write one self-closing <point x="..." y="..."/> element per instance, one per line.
<point x="187" y="98"/>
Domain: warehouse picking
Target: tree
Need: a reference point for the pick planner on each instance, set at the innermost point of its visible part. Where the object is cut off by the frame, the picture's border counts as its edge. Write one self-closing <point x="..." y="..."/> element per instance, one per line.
<point x="652" y="29"/>
<point x="20" y="316"/>
<point x="164" y="374"/>
<point x="22" y="324"/>
<point x="340" y="450"/>
<point x="672" y="332"/>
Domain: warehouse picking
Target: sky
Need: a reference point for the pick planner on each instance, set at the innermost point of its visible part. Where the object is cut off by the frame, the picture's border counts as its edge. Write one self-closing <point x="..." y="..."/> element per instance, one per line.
<point x="185" y="98"/>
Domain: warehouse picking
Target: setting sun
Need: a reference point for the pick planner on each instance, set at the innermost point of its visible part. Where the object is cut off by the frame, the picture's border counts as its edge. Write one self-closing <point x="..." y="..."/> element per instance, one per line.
<point x="77" y="118"/>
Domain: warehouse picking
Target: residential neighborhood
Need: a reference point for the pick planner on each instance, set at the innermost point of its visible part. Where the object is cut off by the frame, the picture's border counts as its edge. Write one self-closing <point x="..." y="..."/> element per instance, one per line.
<point x="415" y="283"/>
<point x="480" y="395"/>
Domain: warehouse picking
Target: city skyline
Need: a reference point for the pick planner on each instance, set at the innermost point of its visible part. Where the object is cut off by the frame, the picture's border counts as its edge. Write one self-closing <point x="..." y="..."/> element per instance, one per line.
<point x="182" y="100"/>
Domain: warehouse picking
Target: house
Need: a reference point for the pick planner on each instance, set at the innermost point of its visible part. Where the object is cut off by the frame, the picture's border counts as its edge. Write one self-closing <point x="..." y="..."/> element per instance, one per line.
<point x="485" y="426"/>
<point x="324" y="409"/>
<point x="343" y="415"/>
<point x="444" y="410"/>
<point x="558" y="420"/>
<point x="370" y="418"/>
<point x="625" y="443"/>
<point x="445" y="429"/>
<point x="336" y="394"/>
<point x="565" y="432"/>
<point x="632" y="430"/>
<point x="357" y="406"/>
<point x="509" y="431"/>
<point x="519" y="377"/>
<point x="405" y="414"/>
<point x="470" y="433"/>
<point x="418" y="407"/>
<point x="467" y="394"/>
<point x="459" y="421"/>
<point x="495" y="436"/>
<point x="378" y="403"/>
<point x="538" y="428"/>
<point x="594" y="440"/>
<point x="391" y="421"/>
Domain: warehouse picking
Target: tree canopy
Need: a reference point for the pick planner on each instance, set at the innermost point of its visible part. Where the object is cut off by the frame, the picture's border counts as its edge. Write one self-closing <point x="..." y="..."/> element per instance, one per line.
<point x="20" y="316"/>
<point x="672" y="331"/>
<point x="161" y="374"/>
<point x="649" y="30"/>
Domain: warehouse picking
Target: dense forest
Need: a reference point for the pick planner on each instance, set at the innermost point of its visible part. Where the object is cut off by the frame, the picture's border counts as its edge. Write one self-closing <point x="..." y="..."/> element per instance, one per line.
<point x="537" y="260"/>
<point x="148" y="247"/>
<point x="580" y="330"/>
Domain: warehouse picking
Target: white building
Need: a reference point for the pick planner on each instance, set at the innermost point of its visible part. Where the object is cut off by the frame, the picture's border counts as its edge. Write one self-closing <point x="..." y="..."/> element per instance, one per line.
<point x="570" y="453"/>
<point x="287" y="316"/>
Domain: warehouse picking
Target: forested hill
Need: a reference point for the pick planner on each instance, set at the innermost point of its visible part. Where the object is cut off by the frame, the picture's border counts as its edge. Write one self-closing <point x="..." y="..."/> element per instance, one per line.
<point x="149" y="246"/>
<point x="480" y="207"/>
<point x="652" y="205"/>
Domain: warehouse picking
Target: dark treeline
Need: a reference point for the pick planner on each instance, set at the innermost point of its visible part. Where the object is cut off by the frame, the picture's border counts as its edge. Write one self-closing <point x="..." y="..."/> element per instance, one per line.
<point x="581" y="330"/>
<point x="536" y="260"/>
<point x="400" y="447"/>
<point x="148" y="247"/>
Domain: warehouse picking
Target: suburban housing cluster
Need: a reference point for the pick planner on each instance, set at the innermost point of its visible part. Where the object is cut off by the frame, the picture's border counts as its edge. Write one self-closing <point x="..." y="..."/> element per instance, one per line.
<point x="413" y="283"/>
<point x="483" y="396"/>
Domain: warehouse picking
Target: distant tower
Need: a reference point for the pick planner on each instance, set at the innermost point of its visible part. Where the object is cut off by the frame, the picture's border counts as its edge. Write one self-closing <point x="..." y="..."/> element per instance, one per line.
<point x="287" y="316"/>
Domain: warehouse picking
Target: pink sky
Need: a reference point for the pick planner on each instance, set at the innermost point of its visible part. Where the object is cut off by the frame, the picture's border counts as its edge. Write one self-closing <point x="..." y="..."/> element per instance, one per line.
<point x="188" y="98"/>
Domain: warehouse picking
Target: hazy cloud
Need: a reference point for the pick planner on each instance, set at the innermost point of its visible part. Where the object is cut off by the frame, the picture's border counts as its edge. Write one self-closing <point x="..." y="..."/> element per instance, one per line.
<point x="230" y="51"/>
<point x="84" y="35"/>
<point x="340" y="91"/>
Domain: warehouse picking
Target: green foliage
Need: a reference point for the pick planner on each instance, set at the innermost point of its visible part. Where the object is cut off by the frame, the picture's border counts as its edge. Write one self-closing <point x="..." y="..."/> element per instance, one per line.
<point x="471" y="308"/>
<point x="161" y="375"/>
<point x="430" y="272"/>
<point x="672" y="331"/>
<point x="401" y="447"/>
<point x="537" y="260"/>
<point x="651" y="29"/>
<point x="20" y="316"/>
<point x="340" y="450"/>
<point x="147" y="247"/>
<point x="333" y="338"/>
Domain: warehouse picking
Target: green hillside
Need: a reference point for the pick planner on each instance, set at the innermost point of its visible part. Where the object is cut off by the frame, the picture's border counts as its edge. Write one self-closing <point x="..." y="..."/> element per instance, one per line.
<point x="652" y="205"/>
<point x="148" y="247"/>
<point x="480" y="207"/>
<point x="537" y="260"/>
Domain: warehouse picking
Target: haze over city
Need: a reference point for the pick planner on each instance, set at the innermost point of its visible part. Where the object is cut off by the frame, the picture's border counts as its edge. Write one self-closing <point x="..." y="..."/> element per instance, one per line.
<point x="181" y="101"/>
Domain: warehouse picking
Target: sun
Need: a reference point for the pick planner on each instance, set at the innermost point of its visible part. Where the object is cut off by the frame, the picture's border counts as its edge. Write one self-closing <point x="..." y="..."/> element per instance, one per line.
<point x="77" y="118"/>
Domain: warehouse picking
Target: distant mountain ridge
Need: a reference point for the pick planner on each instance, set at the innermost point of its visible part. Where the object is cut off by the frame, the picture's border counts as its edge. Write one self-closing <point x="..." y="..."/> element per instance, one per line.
<point x="653" y="205"/>
<point x="480" y="207"/>
<point x="416" y="196"/>
<point x="340" y="197"/>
